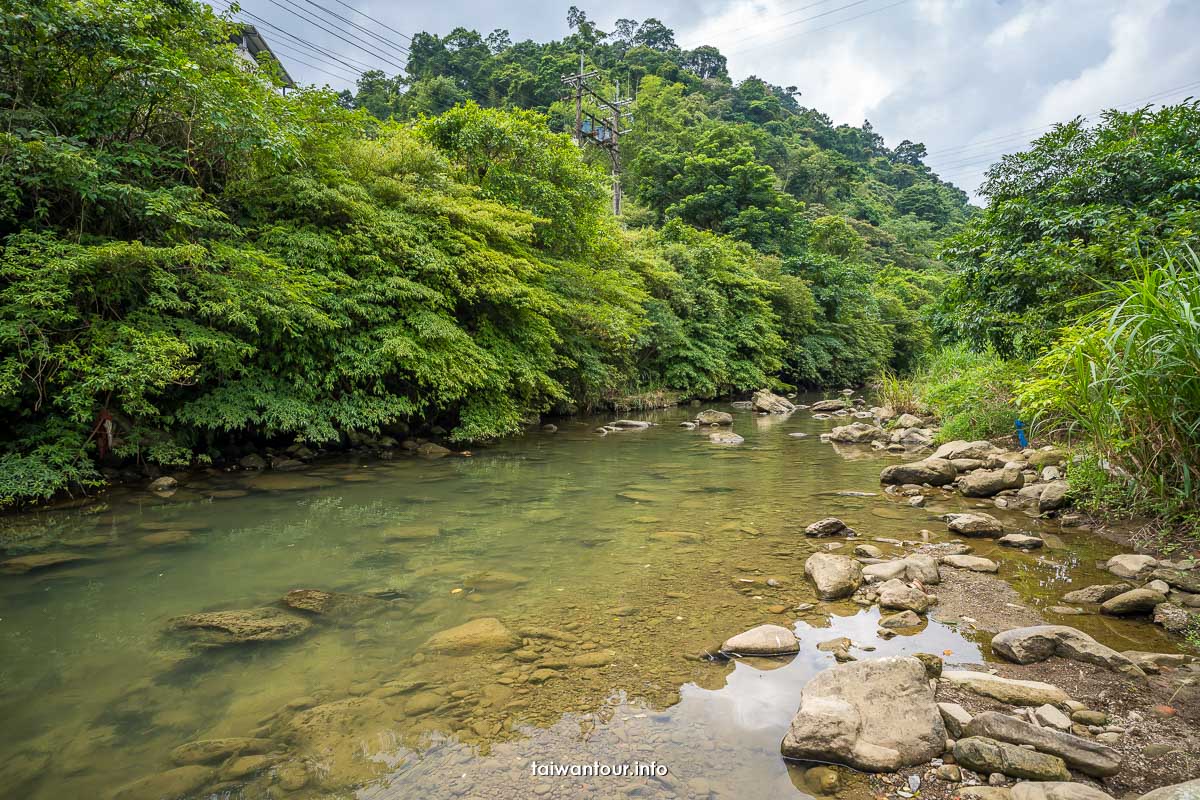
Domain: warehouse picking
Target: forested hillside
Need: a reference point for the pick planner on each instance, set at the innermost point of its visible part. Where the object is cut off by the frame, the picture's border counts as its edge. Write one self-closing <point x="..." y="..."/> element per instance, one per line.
<point x="193" y="261"/>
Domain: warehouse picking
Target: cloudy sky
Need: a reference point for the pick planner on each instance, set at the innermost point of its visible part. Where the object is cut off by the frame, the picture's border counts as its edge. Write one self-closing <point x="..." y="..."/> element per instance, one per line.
<point x="972" y="79"/>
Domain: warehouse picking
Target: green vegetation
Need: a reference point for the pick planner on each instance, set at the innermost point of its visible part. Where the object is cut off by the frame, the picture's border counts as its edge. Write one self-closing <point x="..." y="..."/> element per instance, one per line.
<point x="1082" y="267"/>
<point x="193" y="261"/>
<point x="1126" y="381"/>
<point x="1074" y="211"/>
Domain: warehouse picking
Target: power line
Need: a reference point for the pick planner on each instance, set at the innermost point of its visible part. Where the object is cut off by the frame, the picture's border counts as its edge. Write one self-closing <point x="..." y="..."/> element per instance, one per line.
<point x="372" y="19"/>
<point x="357" y="67"/>
<point x="784" y="14"/>
<point x="358" y="45"/>
<point x="802" y="21"/>
<point x="968" y="160"/>
<point x="298" y="60"/>
<point x="398" y="48"/>
<point x="823" y="28"/>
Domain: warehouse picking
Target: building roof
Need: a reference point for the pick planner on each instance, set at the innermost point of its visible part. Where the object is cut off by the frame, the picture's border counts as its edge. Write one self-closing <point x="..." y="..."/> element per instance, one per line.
<point x="252" y="42"/>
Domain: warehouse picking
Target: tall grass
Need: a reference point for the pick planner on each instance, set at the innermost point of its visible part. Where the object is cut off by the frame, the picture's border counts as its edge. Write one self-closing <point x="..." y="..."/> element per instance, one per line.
<point x="970" y="392"/>
<point x="1126" y="381"/>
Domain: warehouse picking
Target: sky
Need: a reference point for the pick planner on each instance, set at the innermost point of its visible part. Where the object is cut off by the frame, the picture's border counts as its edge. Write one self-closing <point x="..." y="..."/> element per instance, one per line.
<point x="971" y="79"/>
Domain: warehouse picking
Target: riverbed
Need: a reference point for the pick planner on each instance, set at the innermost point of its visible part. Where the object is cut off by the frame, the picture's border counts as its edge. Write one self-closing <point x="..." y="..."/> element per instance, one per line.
<point x="618" y="559"/>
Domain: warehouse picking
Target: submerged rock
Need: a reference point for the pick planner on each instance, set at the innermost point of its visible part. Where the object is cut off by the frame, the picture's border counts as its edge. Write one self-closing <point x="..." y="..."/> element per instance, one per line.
<point x="830" y="405"/>
<point x="222" y="628"/>
<point x="986" y="756"/>
<point x="206" y="751"/>
<point x="36" y="561"/>
<point x="1085" y="755"/>
<point x="174" y="783"/>
<point x="934" y="471"/>
<point x="835" y="576"/>
<point x="876" y="715"/>
<point x="1039" y="642"/>
<point x="764" y="640"/>
<point x="322" y="603"/>
<point x="725" y="437"/>
<point x="486" y="634"/>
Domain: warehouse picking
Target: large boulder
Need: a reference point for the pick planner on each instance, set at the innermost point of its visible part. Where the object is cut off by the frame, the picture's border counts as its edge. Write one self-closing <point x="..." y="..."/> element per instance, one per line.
<point x="830" y="526"/>
<point x="711" y="417"/>
<point x="1097" y="593"/>
<point x="1056" y="790"/>
<point x="1007" y="690"/>
<point x="876" y="715"/>
<point x="771" y="403"/>
<point x="1131" y="565"/>
<point x="835" y="576"/>
<point x="899" y="596"/>
<point x="1039" y="642"/>
<point x="1189" y="790"/>
<point x="988" y="482"/>
<point x="1054" y="496"/>
<point x="222" y="628"/>
<point x="765" y="640"/>
<point x="1086" y="755"/>
<point x="1135" y="601"/>
<point x="483" y="635"/>
<point x="934" y="471"/>
<point x="986" y="756"/>
<point x="856" y="433"/>
<point x="976" y="524"/>
<point x="978" y="450"/>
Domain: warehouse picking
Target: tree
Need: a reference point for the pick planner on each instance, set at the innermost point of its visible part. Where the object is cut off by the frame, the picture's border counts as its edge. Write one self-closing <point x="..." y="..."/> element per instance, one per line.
<point x="705" y="62"/>
<point x="653" y="34"/>
<point x="911" y="153"/>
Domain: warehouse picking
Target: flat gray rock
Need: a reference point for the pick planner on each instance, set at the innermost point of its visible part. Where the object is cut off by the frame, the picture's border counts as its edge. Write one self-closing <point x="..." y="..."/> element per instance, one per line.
<point x="1189" y="790"/>
<point x="1056" y="790"/>
<point x="1007" y="690"/>
<point x="986" y="756"/>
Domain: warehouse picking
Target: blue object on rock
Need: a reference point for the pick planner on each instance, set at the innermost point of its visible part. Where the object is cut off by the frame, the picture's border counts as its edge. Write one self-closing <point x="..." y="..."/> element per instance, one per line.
<point x="1021" y="434"/>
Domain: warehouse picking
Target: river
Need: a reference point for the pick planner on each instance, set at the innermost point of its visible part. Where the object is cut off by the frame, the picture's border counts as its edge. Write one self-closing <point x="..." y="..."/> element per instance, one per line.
<point x="619" y="559"/>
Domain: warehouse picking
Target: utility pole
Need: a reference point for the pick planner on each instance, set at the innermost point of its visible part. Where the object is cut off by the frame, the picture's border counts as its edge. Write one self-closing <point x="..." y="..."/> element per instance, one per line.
<point x="604" y="133"/>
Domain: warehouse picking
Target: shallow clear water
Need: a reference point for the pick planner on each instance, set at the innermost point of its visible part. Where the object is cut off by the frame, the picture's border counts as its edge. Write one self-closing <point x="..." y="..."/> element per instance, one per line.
<point x="647" y="547"/>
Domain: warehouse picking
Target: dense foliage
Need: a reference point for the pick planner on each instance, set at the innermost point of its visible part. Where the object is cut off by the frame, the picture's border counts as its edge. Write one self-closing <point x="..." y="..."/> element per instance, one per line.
<point x="1076" y="210"/>
<point x="853" y="219"/>
<point x="1125" y="381"/>
<point x="192" y="260"/>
